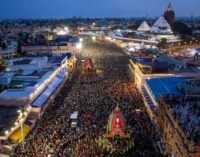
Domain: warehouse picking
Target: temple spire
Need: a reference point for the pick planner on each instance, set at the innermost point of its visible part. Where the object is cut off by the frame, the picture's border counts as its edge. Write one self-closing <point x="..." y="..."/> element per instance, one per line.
<point x="169" y="13"/>
<point x="117" y="107"/>
<point x="170" y="5"/>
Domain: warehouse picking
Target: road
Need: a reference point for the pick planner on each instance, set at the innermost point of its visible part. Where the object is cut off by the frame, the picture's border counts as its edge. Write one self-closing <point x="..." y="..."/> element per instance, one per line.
<point x="94" y="97"/>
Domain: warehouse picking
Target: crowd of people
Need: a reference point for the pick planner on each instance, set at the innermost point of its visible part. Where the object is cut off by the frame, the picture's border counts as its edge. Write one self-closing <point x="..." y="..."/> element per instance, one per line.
<point x="94" y="101"/>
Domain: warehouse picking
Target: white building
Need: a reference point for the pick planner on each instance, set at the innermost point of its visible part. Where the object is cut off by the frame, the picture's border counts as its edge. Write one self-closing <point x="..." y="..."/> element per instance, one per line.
<point x="144" y="27"/>
<point x="31" y="79"/>
<point x="161" y="26"/>
<point x="8" y="52"/>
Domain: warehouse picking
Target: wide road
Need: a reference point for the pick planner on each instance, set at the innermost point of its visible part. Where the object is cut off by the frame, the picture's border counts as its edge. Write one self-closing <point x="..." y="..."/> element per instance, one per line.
<point x="94" y="97"/>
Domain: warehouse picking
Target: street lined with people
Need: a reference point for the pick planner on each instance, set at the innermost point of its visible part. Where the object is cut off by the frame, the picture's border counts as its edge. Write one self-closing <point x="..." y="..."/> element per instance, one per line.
<point x="94" y="98"/>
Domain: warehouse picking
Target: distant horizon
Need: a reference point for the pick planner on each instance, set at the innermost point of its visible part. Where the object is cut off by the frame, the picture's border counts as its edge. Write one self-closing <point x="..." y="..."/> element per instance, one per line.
<point x="62" y="9"/>
<point x="141" y="17"/>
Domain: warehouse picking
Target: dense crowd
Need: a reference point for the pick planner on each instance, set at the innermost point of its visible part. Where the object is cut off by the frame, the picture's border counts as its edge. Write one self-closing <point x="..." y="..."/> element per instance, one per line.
<point x="94" y="101"/>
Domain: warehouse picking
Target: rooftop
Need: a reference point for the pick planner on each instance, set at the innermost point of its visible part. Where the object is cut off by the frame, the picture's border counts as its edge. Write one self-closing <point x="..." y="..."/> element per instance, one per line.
<point x="62" y="58"/>
<point x="15" y="93"/>
<point x="22" y="62"/>
<point x="164" y="86"/>
<point x="186" y="111"/>
<point x="8" y="116"/>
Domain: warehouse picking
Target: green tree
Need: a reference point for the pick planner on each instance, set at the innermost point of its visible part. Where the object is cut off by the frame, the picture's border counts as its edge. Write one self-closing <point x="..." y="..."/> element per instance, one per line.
<point x="3" y="45"/>
<point x="163" y="43"/>
<point x="2" y="64"/>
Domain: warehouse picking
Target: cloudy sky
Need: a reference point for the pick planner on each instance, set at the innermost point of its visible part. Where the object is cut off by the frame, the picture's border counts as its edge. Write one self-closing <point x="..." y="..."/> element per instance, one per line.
<point x="94" y="8"/>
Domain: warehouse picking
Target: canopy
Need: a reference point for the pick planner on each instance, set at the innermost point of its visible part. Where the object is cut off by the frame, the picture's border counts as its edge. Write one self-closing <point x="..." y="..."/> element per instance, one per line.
<point x="40" y="100"/>
<point x="16" y="135"/>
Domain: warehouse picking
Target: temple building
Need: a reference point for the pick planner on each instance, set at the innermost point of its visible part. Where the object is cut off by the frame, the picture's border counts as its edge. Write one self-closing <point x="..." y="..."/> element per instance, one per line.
<point x="144" y="27"/>
<point x="169" y="14"/>
<point x="161" y="26"/>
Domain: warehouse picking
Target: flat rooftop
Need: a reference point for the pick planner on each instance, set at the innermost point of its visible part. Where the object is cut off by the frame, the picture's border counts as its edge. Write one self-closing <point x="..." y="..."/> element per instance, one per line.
<point x="164" y="86"/>
<point x="15" y="93"/>
<point x="8" y="116"/>
<point x="61" y="59"/>
<point x="22" y="62"/>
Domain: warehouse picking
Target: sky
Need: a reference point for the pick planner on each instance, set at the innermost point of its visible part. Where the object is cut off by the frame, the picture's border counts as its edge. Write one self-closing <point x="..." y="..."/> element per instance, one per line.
<point x="13" y="9"/>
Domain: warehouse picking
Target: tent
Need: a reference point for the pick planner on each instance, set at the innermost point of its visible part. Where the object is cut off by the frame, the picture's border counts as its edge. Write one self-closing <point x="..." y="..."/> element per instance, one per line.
<point x="16" y="135"/>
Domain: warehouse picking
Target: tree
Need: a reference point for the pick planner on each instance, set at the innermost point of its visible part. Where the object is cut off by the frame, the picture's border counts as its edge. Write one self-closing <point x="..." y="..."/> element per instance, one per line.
<point x="116" y="27"/>
<point x="16" y="53"/>
<point x="181" y="28"/>
<point x="3" y="45"/>
<point x="19" y="50"/>
<point x="2" y="64"/>
<point x="163" y="43"/>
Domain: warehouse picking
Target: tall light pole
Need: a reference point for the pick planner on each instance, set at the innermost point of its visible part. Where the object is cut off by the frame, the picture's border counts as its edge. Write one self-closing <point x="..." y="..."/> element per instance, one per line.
<point x="21" y="123"/>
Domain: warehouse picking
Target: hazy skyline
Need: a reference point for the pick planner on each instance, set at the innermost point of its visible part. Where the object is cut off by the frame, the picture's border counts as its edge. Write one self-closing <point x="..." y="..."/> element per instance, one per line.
<point x="10" y="9"/>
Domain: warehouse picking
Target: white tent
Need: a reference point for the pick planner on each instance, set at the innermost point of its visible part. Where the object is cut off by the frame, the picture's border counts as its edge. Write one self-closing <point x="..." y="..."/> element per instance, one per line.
<point x="144" y="27"/>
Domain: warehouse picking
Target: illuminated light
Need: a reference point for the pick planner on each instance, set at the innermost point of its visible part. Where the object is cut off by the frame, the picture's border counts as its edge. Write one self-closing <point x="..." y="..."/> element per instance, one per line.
<point x="79" y="46"/>
<point x="61" y="32"/>
<point x="16" y="123"/>
<point x="94" y="38"/>
<point x="108" y="38"/>
<point x="66" y="28"/>
<point x="81" y="39"/>
<point x="93" y="23"/>
<point x="28" y="108"/>
<point x="12" y="129"/>
<point x="7" y="132"/>
<point x="138" y="77"/>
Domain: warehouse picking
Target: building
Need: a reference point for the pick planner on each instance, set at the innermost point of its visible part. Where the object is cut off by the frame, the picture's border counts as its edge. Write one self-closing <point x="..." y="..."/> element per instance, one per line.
<point x="60" y="45"/>
<point x="44" y="50"/>
<point x="144" y="27"/>
<point x="173" y="104"/>
<point x="30" y="84"/>
<point x="179" y="121"/>
<point x="161" y="26"/>
<point x="150" y="67"/>
<point x="158" y="76"/>
<point x="32" y="76"/>
<point x="169" y="14"/>
<point x="10" y="124"/>
<point x="11" y="47"/>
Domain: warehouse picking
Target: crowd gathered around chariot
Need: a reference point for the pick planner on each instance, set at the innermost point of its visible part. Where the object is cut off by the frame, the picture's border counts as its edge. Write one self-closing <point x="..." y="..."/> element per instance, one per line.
<point x="94" y="96"/>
